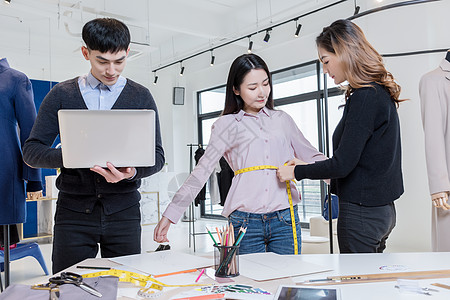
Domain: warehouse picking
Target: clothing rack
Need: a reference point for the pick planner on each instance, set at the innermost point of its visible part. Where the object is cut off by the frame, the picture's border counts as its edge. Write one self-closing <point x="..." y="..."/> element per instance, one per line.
<point x="191" y="217"/>
<point x="6" y="244"/>
<point x="327" y="149"/>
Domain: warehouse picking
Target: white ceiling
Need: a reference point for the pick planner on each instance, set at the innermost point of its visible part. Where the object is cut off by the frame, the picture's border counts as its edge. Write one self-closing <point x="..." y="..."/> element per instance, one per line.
<point x="165" y="30"/>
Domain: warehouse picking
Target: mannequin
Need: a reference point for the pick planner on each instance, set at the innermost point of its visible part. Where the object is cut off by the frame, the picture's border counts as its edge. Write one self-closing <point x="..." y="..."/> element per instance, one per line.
<point x="17" y="115"/>
<point x="434" y="92"/>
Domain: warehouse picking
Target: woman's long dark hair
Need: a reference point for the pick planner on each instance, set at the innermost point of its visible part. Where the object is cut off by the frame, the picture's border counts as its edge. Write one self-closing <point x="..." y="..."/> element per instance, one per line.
<point x="239" y="68"/>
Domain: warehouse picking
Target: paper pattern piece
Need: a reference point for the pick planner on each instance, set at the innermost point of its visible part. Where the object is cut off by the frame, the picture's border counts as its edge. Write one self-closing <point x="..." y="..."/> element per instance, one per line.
<point x="163" y="262"/>
<point x="266" y="266"/>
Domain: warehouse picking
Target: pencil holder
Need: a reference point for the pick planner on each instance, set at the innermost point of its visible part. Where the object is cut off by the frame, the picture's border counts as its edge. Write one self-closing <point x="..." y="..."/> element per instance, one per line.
<point x="226" y="260"/>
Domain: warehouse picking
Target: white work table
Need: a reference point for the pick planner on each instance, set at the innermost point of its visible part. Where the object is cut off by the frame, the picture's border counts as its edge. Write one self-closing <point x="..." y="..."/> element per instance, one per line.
<point x="340" y="264"/>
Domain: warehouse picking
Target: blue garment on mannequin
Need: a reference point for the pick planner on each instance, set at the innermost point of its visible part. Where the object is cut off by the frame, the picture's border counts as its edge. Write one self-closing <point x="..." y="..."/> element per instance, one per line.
<point x="17" y="111"/>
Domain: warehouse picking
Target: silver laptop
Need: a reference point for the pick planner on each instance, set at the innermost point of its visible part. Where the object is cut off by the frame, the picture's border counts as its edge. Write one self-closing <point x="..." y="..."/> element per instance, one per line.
<point x="126" y="138"/>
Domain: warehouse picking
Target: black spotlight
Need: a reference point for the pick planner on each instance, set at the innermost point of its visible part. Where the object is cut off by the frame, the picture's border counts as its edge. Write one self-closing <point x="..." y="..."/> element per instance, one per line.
<point x="213" y="58"/>
<point x="297" y="31"/>
<point x="267" y="36"/>
<point x="250" y="46"/>
<point x="8" y="1"/>
<point x="357" y="8"/>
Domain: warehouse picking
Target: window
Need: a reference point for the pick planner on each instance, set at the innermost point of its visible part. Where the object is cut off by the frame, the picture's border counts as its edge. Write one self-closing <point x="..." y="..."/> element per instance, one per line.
<point x="212" y="100"/>
<point x="299" y="92"/>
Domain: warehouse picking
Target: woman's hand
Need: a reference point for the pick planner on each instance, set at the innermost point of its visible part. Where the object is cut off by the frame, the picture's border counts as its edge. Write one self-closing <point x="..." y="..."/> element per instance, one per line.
<point x="295" y="161"/>
<point x="160" y="233"/>
<point x="286" y="173"/>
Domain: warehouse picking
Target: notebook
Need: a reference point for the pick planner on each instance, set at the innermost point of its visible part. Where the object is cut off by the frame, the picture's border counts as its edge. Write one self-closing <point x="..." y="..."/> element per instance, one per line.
<point x="126" y="138"/>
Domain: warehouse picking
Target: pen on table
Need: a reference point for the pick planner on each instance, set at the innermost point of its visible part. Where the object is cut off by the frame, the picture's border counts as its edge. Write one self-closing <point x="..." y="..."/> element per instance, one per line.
<point x="201" y="273"/>
<point x="94" y="268"/>
<point x="209" y="232"/>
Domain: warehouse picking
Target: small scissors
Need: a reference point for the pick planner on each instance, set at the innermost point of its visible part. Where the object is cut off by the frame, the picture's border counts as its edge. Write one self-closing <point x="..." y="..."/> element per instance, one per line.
<point x="76" y="279"/>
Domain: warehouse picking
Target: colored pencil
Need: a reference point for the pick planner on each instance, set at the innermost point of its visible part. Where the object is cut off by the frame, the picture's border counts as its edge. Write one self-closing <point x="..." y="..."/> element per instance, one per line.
<point x="201" y="273"/>
<point x="209" y="232"/>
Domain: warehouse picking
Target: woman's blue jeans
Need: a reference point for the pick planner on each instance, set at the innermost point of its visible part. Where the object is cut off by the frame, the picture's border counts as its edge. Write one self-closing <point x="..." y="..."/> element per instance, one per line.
<point x="271" y="232"/>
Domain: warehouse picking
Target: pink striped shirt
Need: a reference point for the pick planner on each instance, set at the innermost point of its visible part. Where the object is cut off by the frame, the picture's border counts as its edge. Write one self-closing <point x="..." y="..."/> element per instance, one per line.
<point x="269" y="138"/>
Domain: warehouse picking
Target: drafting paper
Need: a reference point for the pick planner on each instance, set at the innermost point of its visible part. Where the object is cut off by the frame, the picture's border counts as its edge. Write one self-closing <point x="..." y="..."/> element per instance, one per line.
<point x="266" y="266"/>
<point x="163" y="262"/>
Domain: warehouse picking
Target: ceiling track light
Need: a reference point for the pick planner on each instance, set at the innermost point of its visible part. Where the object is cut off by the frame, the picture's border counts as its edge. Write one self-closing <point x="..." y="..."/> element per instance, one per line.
<point x="213" y="58"/>
<point x="182" y="68"/>
<point x="299" y="27"/>
<point x="267" y="36"/>
<point x="250" y="45"/>
<point x="268" y="31"/>
<point x="156" y="79"/>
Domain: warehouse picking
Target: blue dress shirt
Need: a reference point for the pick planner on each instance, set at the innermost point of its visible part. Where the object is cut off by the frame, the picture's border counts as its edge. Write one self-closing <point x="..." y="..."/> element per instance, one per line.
<point x="97" y="95"/>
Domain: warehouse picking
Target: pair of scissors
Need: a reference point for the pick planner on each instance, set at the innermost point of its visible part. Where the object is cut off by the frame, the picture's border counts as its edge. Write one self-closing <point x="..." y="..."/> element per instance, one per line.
<point x="76" y="279"/>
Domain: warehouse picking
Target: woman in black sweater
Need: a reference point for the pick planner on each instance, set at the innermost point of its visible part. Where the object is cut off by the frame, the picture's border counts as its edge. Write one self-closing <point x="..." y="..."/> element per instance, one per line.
<point x="365" y="169"/>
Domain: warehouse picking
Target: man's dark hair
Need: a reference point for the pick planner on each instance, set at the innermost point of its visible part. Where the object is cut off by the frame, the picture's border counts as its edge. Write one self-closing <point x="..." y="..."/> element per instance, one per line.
<point x="106" y="35"/>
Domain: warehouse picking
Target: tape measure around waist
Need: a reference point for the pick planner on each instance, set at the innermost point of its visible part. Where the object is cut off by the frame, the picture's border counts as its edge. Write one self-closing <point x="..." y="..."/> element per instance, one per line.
<point x="263" y="167"/>
<point x="288" y="189"/>
<point x="151" y="288"/>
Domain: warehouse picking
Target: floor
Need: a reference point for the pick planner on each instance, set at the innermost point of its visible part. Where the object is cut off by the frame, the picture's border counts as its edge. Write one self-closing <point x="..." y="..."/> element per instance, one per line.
<point x="28" y="271"/>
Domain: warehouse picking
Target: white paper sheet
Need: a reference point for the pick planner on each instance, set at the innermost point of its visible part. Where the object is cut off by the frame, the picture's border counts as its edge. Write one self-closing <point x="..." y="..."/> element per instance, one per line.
<point x="266" y="266"/>
<point x="163" y="262"/>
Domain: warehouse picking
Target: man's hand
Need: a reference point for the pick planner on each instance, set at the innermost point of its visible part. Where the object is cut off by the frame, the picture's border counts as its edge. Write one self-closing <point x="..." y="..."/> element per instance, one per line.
<point x="160" y="233"/>
<point x="440" y="200"/>
<point x="113" y="174"/>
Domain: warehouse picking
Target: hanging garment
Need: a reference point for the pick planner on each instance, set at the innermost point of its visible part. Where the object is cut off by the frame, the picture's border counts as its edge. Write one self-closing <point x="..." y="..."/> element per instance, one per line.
<point x="214" y="193"/>
<point x="17" y="115"/>
<point x="13" y="235"/>
<point x="225" y="176"/>
<point x="202" y="194"/>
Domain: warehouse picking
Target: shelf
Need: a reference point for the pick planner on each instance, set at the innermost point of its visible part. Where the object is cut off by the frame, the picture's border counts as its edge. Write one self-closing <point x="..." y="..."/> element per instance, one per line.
<point x="41" y="199"/>
<point x="38" y="236"/>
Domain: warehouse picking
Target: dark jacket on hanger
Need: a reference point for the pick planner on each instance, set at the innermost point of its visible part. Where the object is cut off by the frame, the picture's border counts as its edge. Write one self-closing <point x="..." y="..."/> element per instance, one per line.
<point x="225" y="176"/>
<point x="202" y="194"/>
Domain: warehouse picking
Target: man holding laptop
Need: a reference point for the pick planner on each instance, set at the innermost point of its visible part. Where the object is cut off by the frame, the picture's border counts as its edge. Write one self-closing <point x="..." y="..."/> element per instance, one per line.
<point x="95" y="205"/>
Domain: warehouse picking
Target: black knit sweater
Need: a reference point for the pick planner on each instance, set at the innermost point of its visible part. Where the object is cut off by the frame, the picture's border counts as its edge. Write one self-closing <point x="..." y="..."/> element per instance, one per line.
<point x="81" y="188"/>
<point x="366" y="163"/>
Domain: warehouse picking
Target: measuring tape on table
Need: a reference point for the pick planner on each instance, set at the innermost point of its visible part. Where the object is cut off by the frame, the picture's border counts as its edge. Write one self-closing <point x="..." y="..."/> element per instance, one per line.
<point x="151" y="288"/>
<point x="288" y="189"/>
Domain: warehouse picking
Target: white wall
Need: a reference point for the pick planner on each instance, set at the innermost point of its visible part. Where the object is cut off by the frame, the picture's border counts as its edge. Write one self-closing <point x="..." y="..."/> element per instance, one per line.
<point x="411" y="28"/>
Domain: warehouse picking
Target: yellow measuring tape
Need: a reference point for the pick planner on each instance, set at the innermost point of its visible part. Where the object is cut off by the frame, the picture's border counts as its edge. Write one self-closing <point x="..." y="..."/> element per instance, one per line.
<point x="151" y="288"/>
<point x="288" y="189"/>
